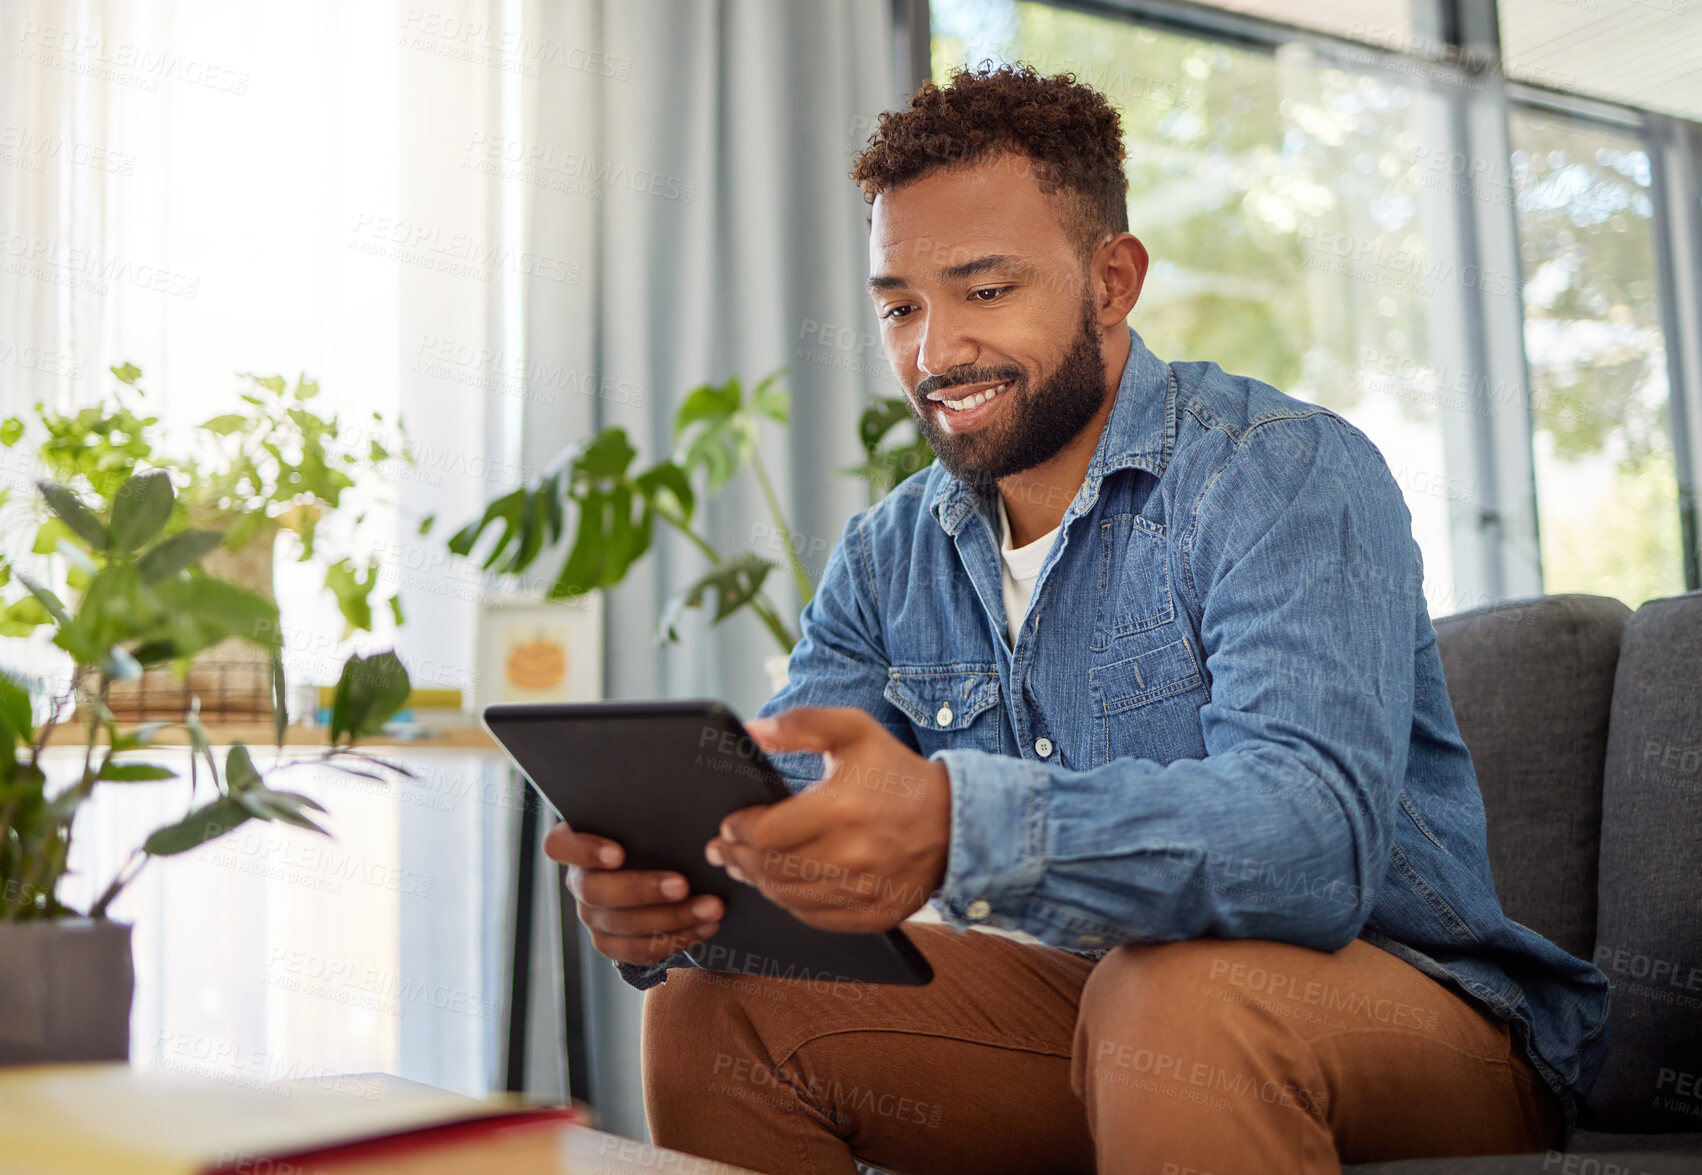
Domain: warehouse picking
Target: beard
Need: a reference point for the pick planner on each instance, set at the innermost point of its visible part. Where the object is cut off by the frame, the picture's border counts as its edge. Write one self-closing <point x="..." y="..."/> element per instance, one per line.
<point x="1038" y="420"/>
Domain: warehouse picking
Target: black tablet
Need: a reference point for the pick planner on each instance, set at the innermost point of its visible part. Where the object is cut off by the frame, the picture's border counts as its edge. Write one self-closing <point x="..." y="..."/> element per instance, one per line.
<point x="657" y="778"/>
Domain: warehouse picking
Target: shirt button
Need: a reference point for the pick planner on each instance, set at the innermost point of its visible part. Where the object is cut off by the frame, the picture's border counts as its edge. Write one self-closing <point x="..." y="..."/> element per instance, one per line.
<point x="1043" y="747"/>
<point x="944" y="716"/>
<point x="978" y="909"/>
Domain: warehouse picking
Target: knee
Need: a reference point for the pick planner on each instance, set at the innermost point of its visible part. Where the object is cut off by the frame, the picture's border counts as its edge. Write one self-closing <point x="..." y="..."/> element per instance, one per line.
<point x="1143" y="987"/>
<point x="691" y="1023"/>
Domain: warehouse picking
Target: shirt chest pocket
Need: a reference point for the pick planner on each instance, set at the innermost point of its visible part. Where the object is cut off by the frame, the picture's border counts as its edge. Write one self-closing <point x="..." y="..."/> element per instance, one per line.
<point x="1134" y="580"/>
<point x="1146" y="684"/>
<point x="949" y="706"/>
<point x="1147" y="704"/>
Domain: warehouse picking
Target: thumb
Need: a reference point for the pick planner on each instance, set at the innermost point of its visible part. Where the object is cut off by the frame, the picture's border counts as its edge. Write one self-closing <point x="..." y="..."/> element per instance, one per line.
<point x="817" y="729"/>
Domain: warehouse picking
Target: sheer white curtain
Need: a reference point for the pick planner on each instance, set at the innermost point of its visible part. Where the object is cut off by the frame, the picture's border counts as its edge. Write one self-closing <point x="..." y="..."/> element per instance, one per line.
<point x="204" y="188"/>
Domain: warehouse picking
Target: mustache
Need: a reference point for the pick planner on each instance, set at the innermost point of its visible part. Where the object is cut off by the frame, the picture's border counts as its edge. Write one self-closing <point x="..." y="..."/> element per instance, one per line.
<point x="960" y="376"/>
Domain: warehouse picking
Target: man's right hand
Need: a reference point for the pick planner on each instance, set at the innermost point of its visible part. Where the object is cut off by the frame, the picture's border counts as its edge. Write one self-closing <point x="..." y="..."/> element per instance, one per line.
<point x="634" y="916"/>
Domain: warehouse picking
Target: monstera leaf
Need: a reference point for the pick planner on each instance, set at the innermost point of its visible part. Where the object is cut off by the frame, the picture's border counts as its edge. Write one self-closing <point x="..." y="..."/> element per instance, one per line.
<point x="727" y="586"/>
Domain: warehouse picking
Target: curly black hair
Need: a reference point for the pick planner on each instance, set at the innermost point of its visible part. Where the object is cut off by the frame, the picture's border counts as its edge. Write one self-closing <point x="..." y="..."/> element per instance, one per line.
<point x="1067" y="132"/>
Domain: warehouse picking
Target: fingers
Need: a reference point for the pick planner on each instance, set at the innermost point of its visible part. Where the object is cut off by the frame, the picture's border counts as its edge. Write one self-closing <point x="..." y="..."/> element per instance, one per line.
<point x="650" y="948"/>
<point x="787" y="824"/>
<point x="582" y="849"/>
<point x="811" y="728"/>
<point x="645" y="921"/>
<point x="625" y="887"/>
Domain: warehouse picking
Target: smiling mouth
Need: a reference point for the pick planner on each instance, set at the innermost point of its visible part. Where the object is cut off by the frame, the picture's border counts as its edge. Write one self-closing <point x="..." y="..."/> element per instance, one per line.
<point x="973" y="399"/>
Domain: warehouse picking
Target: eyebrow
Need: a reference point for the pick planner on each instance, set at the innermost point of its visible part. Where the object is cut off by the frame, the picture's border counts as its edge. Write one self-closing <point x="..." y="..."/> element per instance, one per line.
<point x="953" y="273"/>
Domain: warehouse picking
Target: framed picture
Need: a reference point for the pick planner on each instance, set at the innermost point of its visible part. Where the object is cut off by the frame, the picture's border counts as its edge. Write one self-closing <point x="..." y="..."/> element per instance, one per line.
<point x="536" y="651"/>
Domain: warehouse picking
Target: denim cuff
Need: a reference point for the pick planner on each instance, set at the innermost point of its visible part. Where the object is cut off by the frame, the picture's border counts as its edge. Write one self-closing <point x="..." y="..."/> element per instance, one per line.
<point x="649" y="975"/>
<point x="998" y="838"/>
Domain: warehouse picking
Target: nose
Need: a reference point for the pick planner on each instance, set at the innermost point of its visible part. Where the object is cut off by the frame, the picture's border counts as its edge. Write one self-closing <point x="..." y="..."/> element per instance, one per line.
<point x="945" y="344"/>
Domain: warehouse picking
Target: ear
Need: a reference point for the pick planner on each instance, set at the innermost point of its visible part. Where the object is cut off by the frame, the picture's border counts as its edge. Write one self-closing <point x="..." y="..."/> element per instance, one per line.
<point x="1120" y="266"/>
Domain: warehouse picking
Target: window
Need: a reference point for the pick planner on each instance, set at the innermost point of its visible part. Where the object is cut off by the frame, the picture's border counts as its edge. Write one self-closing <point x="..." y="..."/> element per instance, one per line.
<point x="1607" y="495"/>
<point x="1319" y="218"/>
<point x="1278" y="197"/>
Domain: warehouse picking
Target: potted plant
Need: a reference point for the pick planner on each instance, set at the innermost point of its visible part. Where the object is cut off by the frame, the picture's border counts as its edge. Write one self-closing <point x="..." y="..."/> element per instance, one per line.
<point x="275" y="464"/>
<point x="614" y="508"/>
<point x="142" y="599"/>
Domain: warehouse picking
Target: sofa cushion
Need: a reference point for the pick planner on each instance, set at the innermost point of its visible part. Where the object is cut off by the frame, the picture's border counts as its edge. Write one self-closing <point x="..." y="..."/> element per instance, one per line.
<point x="1649" y="921"/>
<point x="1532" y="683"/>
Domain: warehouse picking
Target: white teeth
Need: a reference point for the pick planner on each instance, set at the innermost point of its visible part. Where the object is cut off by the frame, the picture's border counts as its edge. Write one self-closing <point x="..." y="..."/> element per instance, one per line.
<point x="975" y="400"/>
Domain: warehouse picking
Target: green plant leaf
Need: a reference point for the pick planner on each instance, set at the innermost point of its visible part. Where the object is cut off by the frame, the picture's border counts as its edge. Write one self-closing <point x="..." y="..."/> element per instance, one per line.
<point x="70" y="509"/>
<point x="176" y="553"/>
<point x="668" y="483"/>
<point x="47" y="600"/>
<point x="48" y="537"/>
<point x="714" y="432"/>
<point x="280" y="700"/>
<point x="208" y="822"/>
<point x="888" y="464"/>
<point x="196" y="612"/>
<point x="16" y="722"/>
<point x="135" y="772"/>
<point x="583" y="569"/>
<point x="708" y="402"/>
<point x="11" y="431"/>
<point x="22" y="617"/>
<point x="607" y="455"/>
<point x="505" y="510"/>
<point x="140" y="509"/>
<point x="369" y="691"/>
<point x="140" y="736"/>
<point x="354" y="594"/>
<point x="115" y="608"/>
<point x="225" y="424"/>
<point x="129" y="373"/>
<point x="240" y="772"/>
<point x="200" y="743"/>
<point x="728" y="586"/>
<point x="771" y="399"/>
<point x="396" y="609"/>
<point x="284" y="806"/>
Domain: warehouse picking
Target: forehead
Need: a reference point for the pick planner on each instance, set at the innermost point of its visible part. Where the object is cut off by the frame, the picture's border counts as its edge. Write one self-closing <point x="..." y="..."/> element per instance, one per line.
<point x="954" y="215"/>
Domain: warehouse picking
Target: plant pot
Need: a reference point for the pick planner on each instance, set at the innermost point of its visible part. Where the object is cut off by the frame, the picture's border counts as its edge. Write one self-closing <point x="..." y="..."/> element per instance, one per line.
<point x="65" y="991"/>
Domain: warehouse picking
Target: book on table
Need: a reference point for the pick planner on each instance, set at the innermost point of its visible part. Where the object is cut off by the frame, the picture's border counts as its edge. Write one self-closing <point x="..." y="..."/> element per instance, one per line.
<point x="97" y="1119"/>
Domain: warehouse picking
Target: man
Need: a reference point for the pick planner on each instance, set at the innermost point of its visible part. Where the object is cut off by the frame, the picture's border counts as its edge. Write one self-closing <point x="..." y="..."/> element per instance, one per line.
<point x="1141" y="669"/>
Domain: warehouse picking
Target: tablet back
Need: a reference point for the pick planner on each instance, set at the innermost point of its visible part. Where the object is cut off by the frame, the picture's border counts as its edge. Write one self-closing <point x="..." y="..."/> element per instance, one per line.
<point x="657" y="778"/>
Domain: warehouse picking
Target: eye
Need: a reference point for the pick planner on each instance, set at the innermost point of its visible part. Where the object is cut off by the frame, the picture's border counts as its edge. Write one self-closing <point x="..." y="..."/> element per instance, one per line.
<point x="900" y="311"/>
<point x="990" y="293"/>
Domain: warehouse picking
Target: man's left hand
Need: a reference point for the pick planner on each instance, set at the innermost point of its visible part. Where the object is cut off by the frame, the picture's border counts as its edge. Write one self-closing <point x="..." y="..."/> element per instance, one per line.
<point x="860" y="851"/>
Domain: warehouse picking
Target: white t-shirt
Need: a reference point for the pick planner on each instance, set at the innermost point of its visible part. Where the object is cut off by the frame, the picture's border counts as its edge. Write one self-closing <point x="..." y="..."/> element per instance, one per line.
<point x="1019" y="567"/>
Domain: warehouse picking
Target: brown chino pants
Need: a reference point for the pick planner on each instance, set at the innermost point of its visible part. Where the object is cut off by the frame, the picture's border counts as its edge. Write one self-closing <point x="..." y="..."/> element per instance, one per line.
<point x="1207" y="1057"/>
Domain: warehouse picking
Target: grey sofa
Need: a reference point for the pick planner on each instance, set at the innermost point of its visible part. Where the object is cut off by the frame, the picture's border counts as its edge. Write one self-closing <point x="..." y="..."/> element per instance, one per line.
<point x="1585" y="723"/>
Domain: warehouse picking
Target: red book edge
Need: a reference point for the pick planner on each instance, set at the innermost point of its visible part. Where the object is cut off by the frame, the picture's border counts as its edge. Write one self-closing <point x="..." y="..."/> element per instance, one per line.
<point x="417" y="1138"/>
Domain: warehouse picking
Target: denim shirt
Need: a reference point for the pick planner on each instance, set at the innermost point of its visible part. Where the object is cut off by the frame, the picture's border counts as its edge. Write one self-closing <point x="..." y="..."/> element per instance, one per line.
<point x="1224" y="714"/>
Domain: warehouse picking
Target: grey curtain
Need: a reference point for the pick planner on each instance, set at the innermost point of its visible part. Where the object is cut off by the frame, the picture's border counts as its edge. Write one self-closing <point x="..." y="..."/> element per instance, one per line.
<point x="690" y="159"/>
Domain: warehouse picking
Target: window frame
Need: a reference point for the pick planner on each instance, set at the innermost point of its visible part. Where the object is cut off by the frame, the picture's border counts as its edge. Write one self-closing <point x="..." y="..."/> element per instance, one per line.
<point x="1494" y="540"/>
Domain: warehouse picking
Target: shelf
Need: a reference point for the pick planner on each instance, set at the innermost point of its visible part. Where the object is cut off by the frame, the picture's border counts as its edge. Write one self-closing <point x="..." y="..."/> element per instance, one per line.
<point x="260" y="734"/>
